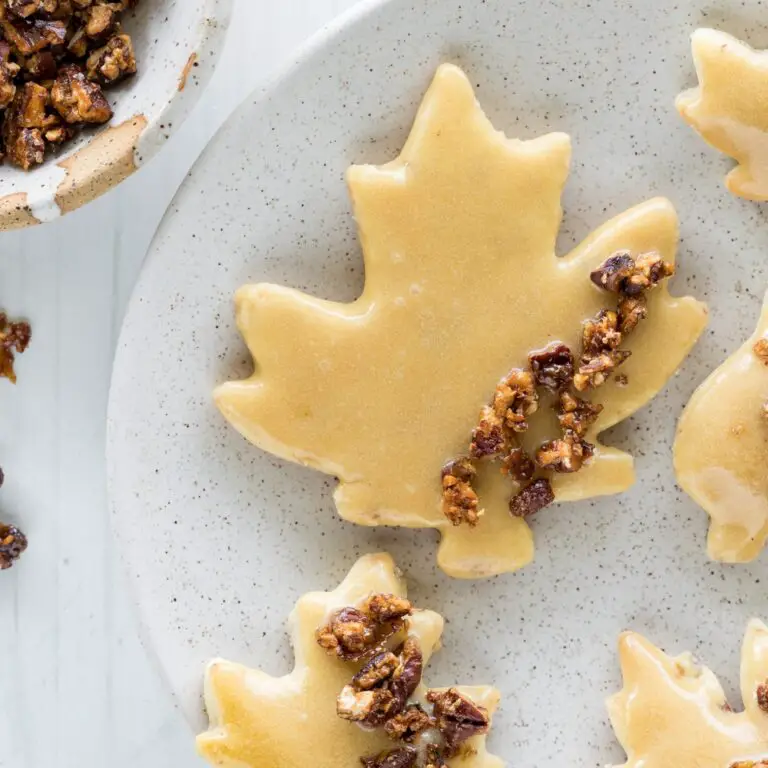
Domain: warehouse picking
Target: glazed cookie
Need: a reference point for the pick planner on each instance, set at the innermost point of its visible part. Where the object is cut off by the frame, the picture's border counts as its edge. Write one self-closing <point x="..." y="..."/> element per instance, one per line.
<point x="467" y="386"/>
<point x="721" y="450"/>
<point x="355" y="693"/>
<point x="673" y="712"/>
<point x="729" y="108"/>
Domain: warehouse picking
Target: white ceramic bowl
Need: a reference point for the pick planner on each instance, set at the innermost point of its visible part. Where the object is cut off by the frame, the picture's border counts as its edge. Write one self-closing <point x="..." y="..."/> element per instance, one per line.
<point x="177" y="43"/>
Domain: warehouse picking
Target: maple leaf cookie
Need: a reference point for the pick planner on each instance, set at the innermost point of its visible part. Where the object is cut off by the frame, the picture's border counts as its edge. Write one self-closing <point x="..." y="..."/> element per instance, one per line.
<point x="729" y="108"/>
<point x="721" y="450"/>
<point x="466" y="387"/>
<point x="673" y="712"/>
<point x="356" y="692"/>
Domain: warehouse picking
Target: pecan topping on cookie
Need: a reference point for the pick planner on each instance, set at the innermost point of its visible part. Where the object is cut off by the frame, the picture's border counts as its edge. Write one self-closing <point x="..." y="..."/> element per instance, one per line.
<point x="457" y="717"/>
<point x="460" y="502"/>
<point x="532" y="498"/>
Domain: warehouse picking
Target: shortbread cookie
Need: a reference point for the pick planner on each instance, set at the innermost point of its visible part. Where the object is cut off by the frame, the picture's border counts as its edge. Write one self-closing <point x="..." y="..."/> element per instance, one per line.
<point x="721" y="450"/>
<point x="355" y="692"/>
<point x="462" y="286"/>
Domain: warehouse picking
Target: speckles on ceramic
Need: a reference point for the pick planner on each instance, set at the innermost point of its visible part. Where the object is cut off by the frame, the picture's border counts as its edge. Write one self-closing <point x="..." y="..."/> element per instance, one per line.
<point x="167" y="35"/>
<point x="235" y="536"/>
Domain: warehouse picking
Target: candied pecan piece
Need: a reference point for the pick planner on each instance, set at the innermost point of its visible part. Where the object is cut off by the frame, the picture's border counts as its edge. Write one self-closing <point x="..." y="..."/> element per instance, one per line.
<point x="100" y="19"/>
<point x="29" y="37"/>
<point x="488" y="436"/>
<point x="750" y="764"/>
<point x="566" y="455"/>
<point x="649" y="270"/>
<point x="41" y="66"/>
<point x="383" y="608"/>
<point x="576" y="415"/>
<point x="30" y="104"/>
<point x="532" y="498"/>
<point x="8" y="71"/>
<point x="77" y="99"/>
<point x="762" y="696"/>
<point x="761" y="350"/>
<point x="460" y="502"/>
<point x="632" y="309"/>
<point x="552" y="366"/>
<point x="24" y="147"/>
<point x="457" y="717"/>
<point x="113" y="62"/>
<point x="78" y="44"/>
<point x="349" y="634"/>
<point x="601" y="333"/>
<point x="408" y="724"/>
<point x="22" y="8"/>
<point x="379" y="669"/>
<point x="13" y="543"/>
<point x="594" y="371"/>
<point x="403" y="757"/>
<point x="14" y="338"/>
<point x="613" y="272"/>
<point x="372" y="707"/>
<point x="407" y="676"/>
<point x="518" y="465"/>
<point x="515" y="399"/>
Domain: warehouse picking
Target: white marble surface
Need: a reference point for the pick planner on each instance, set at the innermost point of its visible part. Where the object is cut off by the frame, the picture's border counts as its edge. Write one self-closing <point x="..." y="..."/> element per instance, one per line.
<point x="76" y="688"/>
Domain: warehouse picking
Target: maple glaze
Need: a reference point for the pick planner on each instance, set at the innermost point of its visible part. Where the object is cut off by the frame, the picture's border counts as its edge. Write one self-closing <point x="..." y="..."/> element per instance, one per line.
<point x="730" y="107"/>
<point x="721" y="452"/>
<point x="462" y="281"/>
<point x="259" y="721"/>
<point x="673" y="713"/>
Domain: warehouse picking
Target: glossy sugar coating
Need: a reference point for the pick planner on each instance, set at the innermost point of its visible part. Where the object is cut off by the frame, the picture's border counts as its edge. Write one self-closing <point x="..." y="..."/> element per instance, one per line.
<point x="729" y="108"/>
<point x="721" y="451"/>
<point x="672" y="712"/>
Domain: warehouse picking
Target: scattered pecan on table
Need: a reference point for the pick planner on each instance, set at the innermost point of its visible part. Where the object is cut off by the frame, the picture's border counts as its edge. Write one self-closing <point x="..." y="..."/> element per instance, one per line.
<point x="14" y="339"/>
<point x="56" y="57"/>
<point x="13" y="542"/>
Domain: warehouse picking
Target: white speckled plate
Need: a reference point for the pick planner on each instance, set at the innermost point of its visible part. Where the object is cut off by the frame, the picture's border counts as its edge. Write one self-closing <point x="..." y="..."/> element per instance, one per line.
<point x="221" y="538"/>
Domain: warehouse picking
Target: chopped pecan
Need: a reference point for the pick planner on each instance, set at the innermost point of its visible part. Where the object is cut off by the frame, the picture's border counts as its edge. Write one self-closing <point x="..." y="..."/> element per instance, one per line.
<point x="407" y="676"/>
<point x="374" y="672"/>
<point x="762" y="696"/>
<point x="750" y="764"/>
<point x="576" y="415"/>
<point x="632" y="309"/>
<point x="371" y="708"/>
<point x="532" y="498"/>
<point x="566" y="455"/>
<point x="383" y="608"/>
<point x="30" y="103"/>
<point x="29" y="37"/>
<point x="518" y="465"/>
<point x="349" y="634"/>
<point x="761" y="350"/>
<point x="614" y="271"/>
<point x="13" y="543"/>
<point x="24" y="147"/>
<point x="41" y="66"/>
<point x="552" y="366"/>
<point x="649" y="270"/>
<point x="515" y="399"/>
<point x="22" y="8"/>
<point x="594" y="371"/>
<point x="403" y="757"/>
<point x="460" y="502"/>
<point x="100" y="19"/>
<point x="77" y="99"/>
<point x="457" y="717"/>
<point x="113" y="62"/>
<point x="408" y="724"/>
<point x="488" y="436"/>
<point x="8" y="71"/>
<point x="601" y="334"/>
<point x="14" y="338"/>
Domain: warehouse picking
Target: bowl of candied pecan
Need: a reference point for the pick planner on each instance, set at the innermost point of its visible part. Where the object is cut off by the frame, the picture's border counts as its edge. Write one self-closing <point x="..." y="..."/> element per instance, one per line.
<point x="90" y="89"/>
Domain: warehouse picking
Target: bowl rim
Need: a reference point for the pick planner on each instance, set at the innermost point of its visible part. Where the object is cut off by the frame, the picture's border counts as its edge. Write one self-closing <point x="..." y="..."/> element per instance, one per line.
<point x="119" y="149"/>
